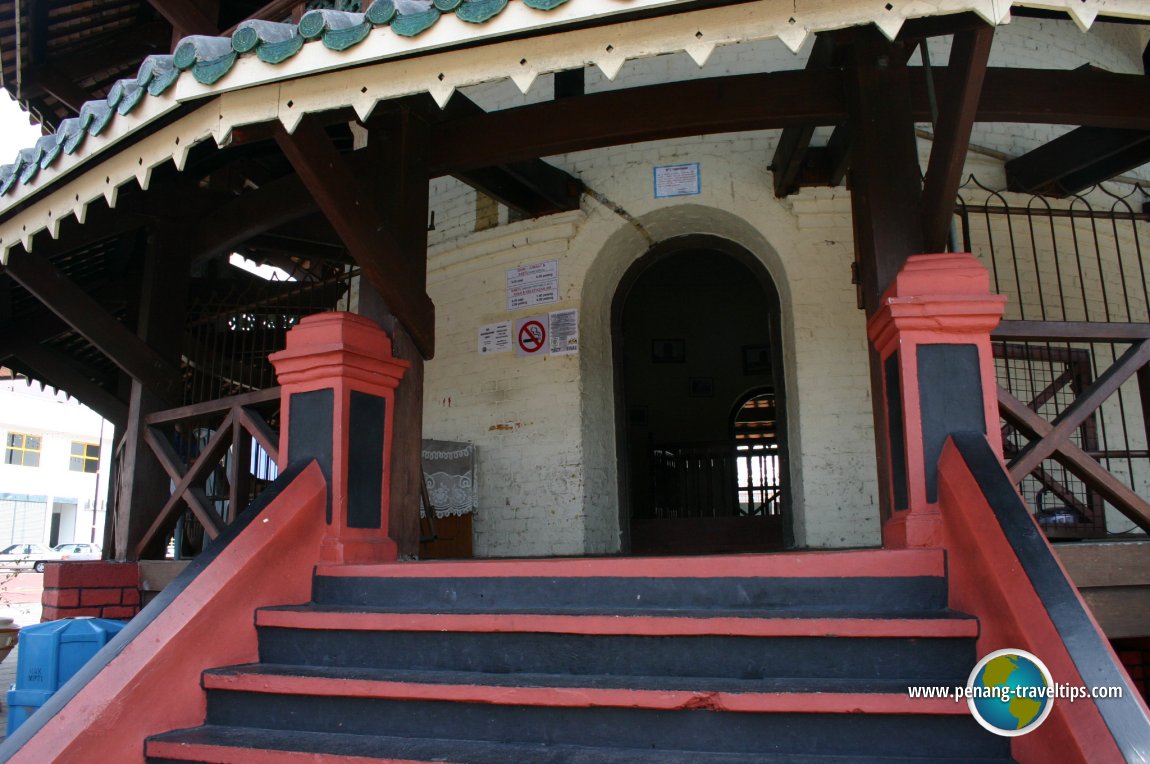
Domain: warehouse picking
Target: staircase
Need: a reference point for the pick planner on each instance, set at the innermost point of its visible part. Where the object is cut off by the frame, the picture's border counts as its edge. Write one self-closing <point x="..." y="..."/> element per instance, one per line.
<point x="771" y="658"/>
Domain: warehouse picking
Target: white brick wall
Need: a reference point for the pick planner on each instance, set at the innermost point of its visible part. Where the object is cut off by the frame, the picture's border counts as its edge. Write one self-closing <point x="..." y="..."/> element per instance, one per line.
<point x="545" y="427"/>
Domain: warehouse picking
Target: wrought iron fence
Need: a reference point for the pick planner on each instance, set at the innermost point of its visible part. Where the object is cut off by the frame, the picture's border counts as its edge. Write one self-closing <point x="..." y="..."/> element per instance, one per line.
<point x="1078" y="293"/>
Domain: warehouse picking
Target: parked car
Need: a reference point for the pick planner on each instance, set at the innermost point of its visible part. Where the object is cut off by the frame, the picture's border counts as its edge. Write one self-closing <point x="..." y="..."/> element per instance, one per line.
<point x="33" y="556"/>
<point x="77" y="551"/>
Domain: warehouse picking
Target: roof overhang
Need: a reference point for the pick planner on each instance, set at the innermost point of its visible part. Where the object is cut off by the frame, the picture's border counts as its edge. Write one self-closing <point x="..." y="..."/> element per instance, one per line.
<point x="140" y="128"/>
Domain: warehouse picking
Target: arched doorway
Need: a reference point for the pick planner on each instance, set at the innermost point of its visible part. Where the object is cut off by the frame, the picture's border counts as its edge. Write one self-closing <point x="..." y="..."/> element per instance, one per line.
<point x="699" y="385"/>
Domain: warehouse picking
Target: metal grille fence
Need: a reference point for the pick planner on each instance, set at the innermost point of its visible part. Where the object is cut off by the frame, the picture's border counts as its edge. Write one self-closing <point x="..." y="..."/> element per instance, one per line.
<point x="1075" y="262"/>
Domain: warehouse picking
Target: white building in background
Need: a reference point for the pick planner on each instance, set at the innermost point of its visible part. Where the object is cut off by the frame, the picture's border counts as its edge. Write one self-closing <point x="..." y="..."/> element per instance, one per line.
<point x="55" y="467"/>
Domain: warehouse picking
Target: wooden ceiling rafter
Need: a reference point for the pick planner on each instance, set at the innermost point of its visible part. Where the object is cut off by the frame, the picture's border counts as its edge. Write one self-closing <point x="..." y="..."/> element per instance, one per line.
<point x="791" y="152"/>
<point x="1081" y="158"/>
<point x="89" y="319"/>
<point x="532" y="187"/>
<point x="187" y="18"/>
<point x="63" y="372"/>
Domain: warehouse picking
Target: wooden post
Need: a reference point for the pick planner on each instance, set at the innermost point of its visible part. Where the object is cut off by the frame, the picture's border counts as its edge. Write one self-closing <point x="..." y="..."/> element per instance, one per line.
<point x="397" y="176"/>
<point x="886" y="191"/>
<point x="338" y="380"/>
<point x="932" y="335"/>
<point x="160" y="324"/>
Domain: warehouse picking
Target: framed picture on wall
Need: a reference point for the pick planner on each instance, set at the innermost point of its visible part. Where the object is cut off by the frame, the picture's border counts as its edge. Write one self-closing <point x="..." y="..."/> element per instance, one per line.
<point x="756" y="359"/>
<point x="668" y="351"/>
<point x="701" y="387"/>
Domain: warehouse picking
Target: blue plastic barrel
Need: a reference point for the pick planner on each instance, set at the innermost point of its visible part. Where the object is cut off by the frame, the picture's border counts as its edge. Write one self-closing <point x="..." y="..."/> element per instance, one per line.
<point x="49" y="654"/>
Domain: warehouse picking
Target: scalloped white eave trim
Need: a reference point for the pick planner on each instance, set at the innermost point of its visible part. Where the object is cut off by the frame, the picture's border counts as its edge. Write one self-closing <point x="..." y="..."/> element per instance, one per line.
<point x="383" y="67"/>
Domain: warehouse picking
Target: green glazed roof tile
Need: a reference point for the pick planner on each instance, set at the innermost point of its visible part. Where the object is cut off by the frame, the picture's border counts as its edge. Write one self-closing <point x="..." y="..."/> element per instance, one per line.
<point x="278" y="52"/>
<point x="209" y="72"/>
<point x="256" y="33"/>
<point x="158" y="73"/>
<point x="210" y="58"/>
<point x="412" y="24"/>
<point x="66" y="128"/>
<point x="124" y="95"/>
<point x="381" y="12"/>
<point x="479" y="11"/>
<point x="544" y="5"/>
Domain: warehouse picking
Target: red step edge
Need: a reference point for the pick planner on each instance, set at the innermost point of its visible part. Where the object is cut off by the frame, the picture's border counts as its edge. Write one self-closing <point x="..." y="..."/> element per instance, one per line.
<point x="621" y="625"/>
<point x="867" y="563"/>
<point x="226" y="754"/>
<point x="586" y="697"/>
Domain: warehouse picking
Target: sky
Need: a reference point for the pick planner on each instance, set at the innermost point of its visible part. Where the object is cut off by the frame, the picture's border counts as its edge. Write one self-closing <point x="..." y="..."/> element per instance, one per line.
<point x="16" y="132"/>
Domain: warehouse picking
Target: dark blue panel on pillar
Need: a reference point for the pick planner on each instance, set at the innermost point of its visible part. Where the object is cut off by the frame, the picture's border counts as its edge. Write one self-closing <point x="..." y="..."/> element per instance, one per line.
<point x="896" y="431"/>
<point x="365" y="460"/>
<point x="310" y="433"/>
<point x="950" y="397"/>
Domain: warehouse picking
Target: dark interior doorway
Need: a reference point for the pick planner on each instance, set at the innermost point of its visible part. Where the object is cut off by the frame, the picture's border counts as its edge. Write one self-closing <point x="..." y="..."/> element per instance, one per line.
<point x="702" y="436"/>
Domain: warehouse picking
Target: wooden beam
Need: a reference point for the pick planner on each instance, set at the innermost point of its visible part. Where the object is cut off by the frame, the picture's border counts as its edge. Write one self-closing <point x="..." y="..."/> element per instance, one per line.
<point x="89" y="319"/>
<point x="250" y="215"/>
<point x="791" y="150"/>
<point x="768" y="101"/>
<point x="964" y="76"/>
<point x="635" y="115"/>
<point x="1075" y="161"/>
<point x="1070" y="331"/>
<point x="532" y="186"/>
<point x="397" y="274"/>
<point x="1075" y="97"/>
<point x="49" y="79"/>
<point x="186" y="17"/>
<point x="64" y="373"/>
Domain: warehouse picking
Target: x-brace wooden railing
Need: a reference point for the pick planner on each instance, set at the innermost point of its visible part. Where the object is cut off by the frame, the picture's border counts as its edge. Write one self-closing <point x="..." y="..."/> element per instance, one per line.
<point x="1052" y="439"/>
<point x="240" y="418"/>
<point x="1075" y="377"/>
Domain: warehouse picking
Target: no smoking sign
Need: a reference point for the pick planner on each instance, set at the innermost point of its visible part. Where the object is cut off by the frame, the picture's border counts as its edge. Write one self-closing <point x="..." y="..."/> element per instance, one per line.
<point x="531" y="336"/>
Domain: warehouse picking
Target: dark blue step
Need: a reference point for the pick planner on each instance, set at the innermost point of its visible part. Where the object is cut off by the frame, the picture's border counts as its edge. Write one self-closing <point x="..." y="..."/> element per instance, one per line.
<point x="235" y="742"/>
<point x="912" y="660"/>
<point x="638" y="729"/>
<point x="628" y="594"/>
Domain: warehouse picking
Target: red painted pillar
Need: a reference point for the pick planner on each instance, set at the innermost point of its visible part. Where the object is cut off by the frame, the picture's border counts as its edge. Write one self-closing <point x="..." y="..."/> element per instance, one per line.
<point x="932" y="334"/>
<point x="338" y="381"/>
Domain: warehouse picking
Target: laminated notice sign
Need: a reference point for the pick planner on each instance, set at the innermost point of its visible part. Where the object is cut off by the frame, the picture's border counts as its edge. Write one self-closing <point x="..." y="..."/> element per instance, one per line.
<point x="677" y="180"/>
<point x="534" y="284"/>
<point x="495" y="338"/>
<point x="564" y="330"/>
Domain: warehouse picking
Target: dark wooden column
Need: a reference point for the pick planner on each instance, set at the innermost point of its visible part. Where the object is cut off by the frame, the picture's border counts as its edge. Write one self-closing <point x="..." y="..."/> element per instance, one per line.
<point x="886" y="192"/>
<point x="397" y="173"/>
<point x="160" y="323"/>
<point x="376" y="200"/>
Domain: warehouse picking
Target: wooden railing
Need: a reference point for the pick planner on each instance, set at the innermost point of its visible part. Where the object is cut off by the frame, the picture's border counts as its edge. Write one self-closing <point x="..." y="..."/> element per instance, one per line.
<point x="1054" y="439"/>
<point x="207" y="451"/>
<point x="736" y="478"/>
